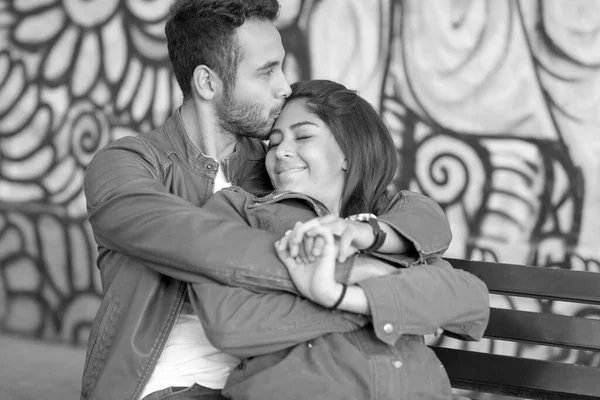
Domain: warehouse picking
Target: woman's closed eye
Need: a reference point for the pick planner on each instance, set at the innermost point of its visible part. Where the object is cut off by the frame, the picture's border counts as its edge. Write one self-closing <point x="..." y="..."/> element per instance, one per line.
<point x="274" y="139"/>
<point x="273" y="144"/>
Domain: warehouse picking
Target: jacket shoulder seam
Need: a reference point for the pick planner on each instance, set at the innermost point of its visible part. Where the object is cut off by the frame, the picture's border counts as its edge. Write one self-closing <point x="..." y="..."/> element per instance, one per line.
<point x="155" y="160"/>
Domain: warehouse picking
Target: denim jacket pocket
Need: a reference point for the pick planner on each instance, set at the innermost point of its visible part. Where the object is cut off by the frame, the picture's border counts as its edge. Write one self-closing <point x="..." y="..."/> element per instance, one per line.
<point x="101" y="337"/>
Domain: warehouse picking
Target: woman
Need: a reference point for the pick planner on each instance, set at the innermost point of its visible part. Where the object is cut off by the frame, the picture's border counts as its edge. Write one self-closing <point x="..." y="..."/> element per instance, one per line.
<point x="331" y="157"/>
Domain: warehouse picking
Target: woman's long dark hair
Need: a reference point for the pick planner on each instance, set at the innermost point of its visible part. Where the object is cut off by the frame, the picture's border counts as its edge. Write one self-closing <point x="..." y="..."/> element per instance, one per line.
<point x="363" y="137"/>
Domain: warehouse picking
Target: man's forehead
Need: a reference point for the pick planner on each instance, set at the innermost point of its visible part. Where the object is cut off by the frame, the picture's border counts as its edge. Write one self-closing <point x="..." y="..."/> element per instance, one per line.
<point x="260" y="42"/>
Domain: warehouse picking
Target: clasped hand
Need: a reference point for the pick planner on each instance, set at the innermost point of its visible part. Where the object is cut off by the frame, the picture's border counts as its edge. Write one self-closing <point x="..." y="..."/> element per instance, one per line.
<point x="310" y="250"/>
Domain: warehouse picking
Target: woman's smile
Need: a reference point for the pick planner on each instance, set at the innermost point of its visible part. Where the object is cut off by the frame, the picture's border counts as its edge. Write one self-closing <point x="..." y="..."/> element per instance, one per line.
<point x="289" y="169"/>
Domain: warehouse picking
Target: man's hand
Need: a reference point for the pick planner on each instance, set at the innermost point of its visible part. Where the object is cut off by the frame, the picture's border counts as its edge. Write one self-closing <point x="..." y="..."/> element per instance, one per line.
<point x="305" y="242"/>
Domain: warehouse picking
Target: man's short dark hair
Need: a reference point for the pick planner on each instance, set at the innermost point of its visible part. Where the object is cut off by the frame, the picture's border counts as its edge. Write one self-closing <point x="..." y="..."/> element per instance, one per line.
<point x="203" y="32"/>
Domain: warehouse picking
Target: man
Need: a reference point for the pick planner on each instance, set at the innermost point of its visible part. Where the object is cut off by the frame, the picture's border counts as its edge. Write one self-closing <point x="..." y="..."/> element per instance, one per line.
<point x="144" y="196"/>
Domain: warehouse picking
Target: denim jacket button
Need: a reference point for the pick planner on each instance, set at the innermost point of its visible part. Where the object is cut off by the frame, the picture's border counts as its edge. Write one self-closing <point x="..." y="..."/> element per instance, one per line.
<point x="388" y="328"/>
<point x="397" y="363"/>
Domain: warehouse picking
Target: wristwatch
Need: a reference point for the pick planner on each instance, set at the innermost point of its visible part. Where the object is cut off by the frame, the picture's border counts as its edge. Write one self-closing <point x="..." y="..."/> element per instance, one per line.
<point x="377" y="231"/>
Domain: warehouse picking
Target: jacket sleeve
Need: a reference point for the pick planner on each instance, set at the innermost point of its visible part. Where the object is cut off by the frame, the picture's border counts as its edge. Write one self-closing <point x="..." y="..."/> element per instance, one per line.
<point x="419" y="299"/>
<point x="132" y="211"/>
<point x="420" y="220"/>
<point x="245" y="323"/>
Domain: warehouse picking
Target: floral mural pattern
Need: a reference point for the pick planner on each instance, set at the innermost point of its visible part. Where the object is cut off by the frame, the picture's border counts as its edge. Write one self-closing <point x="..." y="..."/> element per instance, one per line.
<point x="493" y="106"/>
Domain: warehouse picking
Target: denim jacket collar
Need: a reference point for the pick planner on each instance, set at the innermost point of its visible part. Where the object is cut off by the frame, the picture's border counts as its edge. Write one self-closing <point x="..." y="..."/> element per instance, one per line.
<point x="280" y="195"/>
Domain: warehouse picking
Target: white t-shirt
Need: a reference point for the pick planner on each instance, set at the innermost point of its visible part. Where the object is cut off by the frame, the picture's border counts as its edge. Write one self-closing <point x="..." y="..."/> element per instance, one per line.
<point x="188" y="357"/>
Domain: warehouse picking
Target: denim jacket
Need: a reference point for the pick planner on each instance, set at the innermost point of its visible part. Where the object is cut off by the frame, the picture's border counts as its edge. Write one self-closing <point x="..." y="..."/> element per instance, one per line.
<point x="384" y="359"/>
<point x="144" y="196"/>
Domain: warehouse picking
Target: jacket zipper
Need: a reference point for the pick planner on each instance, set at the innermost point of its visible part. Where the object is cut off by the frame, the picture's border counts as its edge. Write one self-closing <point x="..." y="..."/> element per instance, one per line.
<point x="226" y="173"/>
<point x="159" y="350"/>
<point x="271" y="197"/>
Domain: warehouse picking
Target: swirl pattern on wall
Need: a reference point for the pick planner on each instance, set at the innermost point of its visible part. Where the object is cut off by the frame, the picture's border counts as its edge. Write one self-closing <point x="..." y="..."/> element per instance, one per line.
<point x="492" y="106"/>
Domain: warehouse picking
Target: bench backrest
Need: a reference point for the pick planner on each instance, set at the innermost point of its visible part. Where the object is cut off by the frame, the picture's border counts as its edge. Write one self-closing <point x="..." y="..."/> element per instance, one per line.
<point x="516" y="376"/>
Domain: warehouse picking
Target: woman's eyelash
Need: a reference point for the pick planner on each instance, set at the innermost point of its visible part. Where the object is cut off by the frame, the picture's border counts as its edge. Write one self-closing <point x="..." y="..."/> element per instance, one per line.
<point x="270" y="145"/>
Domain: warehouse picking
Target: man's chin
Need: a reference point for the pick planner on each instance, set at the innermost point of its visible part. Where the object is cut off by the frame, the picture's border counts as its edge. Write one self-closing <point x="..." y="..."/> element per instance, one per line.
<point x="263" y="135"/>
<point x="255" y="132"/>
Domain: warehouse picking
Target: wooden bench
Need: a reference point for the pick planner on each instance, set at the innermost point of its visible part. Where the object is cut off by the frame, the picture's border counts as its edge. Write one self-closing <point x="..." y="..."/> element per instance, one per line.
<point x="523" y="377"/>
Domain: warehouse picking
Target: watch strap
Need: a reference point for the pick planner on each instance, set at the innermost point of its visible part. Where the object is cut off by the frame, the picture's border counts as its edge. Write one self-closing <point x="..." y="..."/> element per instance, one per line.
<point x="379" y="236"/>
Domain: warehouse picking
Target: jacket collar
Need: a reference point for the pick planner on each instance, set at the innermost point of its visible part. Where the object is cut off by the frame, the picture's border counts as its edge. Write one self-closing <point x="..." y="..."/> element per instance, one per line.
<point x="177" y="136"/>
<point x="280" y="195"/>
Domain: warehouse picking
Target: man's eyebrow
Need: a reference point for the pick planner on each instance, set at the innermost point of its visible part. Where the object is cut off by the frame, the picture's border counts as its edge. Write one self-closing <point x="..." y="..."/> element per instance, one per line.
<point x="268" y="65"/>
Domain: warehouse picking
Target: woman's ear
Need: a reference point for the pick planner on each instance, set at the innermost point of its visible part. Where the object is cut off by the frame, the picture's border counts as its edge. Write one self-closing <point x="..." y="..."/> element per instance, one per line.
<point x="203" y="82"/>
<point x="345" y="165"/>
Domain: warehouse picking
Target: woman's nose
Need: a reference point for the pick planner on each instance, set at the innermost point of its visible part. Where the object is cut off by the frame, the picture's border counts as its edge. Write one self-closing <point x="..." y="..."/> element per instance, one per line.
<point x="284" y="151"/>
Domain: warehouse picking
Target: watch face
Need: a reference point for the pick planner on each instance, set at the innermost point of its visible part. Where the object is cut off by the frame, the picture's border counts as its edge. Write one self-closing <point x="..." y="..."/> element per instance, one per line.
<point x="362" y="217"/>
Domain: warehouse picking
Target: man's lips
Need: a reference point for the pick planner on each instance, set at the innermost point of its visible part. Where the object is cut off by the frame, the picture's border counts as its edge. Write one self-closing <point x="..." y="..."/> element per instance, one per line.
<point x="276" y="111"/>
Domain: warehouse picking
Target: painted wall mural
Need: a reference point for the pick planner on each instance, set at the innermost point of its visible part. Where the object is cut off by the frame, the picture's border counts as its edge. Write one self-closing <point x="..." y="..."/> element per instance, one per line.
<point x="494" y="108"/>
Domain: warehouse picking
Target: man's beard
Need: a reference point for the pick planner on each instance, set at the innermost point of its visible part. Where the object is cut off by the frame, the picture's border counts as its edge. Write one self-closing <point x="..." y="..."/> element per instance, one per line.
<point x="244" y="119"/>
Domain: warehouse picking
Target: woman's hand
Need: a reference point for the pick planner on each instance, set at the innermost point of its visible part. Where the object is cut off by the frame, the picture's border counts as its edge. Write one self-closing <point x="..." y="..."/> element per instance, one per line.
<point x="314" y="280"/>
<point x="305" y="242"/>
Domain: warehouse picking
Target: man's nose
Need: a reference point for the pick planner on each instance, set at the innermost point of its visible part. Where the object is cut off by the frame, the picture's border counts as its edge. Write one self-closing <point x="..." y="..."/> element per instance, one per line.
<point x="283" y="87"/>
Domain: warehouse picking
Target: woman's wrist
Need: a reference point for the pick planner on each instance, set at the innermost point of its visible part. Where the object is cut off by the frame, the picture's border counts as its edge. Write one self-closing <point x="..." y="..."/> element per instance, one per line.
<point x="340" y="297"/>
<point x="379" y="236"/>
<point x="372" y="236"/>
<point x="334" y="297"/>
<point x="355" y="301"/>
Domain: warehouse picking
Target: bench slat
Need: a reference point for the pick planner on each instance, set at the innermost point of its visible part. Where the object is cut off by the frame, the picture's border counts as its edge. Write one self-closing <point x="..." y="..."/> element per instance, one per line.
<point x="522" y="377"/>
<point x="544" y="328"/>
<point x="539" y="282"/>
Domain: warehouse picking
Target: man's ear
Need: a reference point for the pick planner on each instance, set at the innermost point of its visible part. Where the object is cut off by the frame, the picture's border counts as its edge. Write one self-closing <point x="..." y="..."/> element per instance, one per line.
<point x="205" y="82"/>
